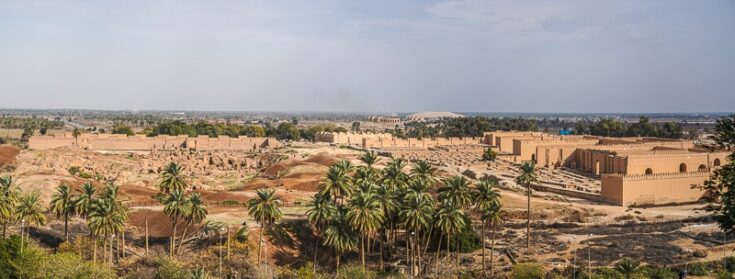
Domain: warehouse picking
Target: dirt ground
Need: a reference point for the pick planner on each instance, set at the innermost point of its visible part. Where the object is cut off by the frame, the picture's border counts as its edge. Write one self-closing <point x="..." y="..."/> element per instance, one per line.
<point x="565" y="230"/>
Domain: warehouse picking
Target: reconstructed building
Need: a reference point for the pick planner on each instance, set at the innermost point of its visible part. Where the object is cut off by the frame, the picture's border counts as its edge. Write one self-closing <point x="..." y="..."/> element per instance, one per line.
<point x="110" y="142"/>
<point x="631" y="170"/>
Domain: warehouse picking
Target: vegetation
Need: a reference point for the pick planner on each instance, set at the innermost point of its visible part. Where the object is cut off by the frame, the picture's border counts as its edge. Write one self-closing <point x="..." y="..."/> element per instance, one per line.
<point x="615" y="128"/>
<point x="720" y="185"/>
<point x="122" y="129"/>
<point x="465" y="127"/>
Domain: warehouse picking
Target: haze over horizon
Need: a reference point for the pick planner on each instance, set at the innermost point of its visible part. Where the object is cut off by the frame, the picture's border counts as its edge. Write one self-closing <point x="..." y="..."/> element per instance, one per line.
<point x="386" y="56"/>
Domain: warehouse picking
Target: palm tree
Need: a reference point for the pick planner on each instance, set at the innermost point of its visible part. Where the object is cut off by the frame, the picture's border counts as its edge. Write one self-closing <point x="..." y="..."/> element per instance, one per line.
<point x="320" y="211"/>
<point x="450" y="221"/>
<point x="29" y="208"/>
<point x="339" y="234"/>
<point x="424" y="171"/>
<point x="172" y="179"/>
<point x="84" y="202"/>
<point x="62" y="205"/>
<point x="393" y="175"/>
<point x="388" y="201"/>
<point x="457" y="191"/>
<point x="370" y="158"/>
<point x="489" y="155"/>
<point x="175" y="205"/>
<point x="196" y="213"/>
<point x="264" y="209"/>
<point x="493" y="217"/>
<point x="104" y="221"/>
<point x="366" y="217"/>
<point x="628" y="267"/>
<point x="336" y="184"/>
<point x="485" y="197"/>
<point x="416" y="217"/>
<point x="528" y="176"/>
<point x="344" y="165"/>
<point x="9" y="195"/>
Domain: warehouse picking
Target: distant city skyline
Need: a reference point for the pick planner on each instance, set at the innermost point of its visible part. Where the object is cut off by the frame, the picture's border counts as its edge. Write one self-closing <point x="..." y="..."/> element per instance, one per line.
<point x="627" y="56"/>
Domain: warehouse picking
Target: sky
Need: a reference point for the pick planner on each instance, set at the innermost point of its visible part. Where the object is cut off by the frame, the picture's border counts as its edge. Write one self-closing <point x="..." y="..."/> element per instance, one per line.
<point x="377" y="55"/>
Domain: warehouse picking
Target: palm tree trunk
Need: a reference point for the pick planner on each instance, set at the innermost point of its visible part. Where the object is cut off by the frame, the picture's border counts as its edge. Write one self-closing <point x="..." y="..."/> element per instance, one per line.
<point x="438" y="249"/>
<point x="362" y="251"/>
<point x="428" y="238"/>
<point x="449" y="236"/>
<point x="316" y="248"/>
<point x="382" y="235"/>
<point x="338" y="256"/>
<point x="484" y="267"/>
<point x="122" y="238"/>
<point x="94" y="255"/>
<point x="146" y="236"/>
<point x="528" y="218"/>
<point x="458" y="248"/>
<point x="492" y="248"/>
<point x="66" y="227"/>
<point x="408" y="250"/>
<point x="418" y="253"/>
<point x="183" y="235"/>
<point x="4" y="228"/>
<point x="260" y="242"/>
<point x="173" y="238"/>
<point x="112" y="256"/>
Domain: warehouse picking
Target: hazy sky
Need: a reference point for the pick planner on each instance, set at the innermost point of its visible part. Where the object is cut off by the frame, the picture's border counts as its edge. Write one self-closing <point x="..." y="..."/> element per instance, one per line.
<point x="371" y="55"/>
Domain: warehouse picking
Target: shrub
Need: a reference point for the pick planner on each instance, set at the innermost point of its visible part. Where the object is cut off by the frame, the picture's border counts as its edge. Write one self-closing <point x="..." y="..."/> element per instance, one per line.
<point x="69" y="265"/>
<point x="307" y="272"/>
<point x="353" y="271"/>
<point x="528" y="271"/>
<point x="729" y="263"/>
<point x="723" y="275"/>
<point x="170" y="269"/>
<point x="606" y="273"/>
<point x="73" y="170"/>
<point x="697" y="269"/>
<point x="661" y="273"/>
<point x="468" y="239"/>
<point x="230" y="203"/>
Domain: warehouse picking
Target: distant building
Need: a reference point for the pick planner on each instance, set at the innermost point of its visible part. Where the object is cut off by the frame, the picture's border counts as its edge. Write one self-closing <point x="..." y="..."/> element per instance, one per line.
<point x="383" y="119"/>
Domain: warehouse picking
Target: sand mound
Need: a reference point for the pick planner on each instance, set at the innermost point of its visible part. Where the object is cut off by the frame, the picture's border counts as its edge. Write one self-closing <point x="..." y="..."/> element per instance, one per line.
<point x="323" y="159"/>
<point x="7" y="155"/>
<point x="260" y="183"/>
<point x="312" y="164"/>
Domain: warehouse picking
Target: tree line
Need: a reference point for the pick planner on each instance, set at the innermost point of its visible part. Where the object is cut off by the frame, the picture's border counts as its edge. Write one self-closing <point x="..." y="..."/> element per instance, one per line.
<point x="615" y="128"/>
<point x="464" y="127"/>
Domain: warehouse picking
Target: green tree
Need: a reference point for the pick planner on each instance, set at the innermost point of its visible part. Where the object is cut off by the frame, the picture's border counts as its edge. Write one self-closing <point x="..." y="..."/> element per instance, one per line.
<point x="104" y="221"/>
<point x="723" y="178"/>
<point x="366" y="217"/>
<point x="319" y="211"/>
<point x="176" y="206"/>
<point x="340" y="235"/>
<point x="485" y="200"/>
<point x="526" y="178"/>
<point x="457" y="191"/>
<point x="336" y="184"/>
<point x="196" y="212"/>
<point x="9" y="195"/>
<point x="84" y="201"/>
<point x="450" y="221"/>
<point x="628" y="268"/>
<point x="489" y="155"/>
<point x="123" y="130"/>
<point x="29" y="208"/>
<point x="424" y="171"/>
<point x="62" y="205"/>
<point x="265" y="210"/>
<point x="416" y="217"/>
<point x="393" y="174"/>
<point x="172" y="179"/>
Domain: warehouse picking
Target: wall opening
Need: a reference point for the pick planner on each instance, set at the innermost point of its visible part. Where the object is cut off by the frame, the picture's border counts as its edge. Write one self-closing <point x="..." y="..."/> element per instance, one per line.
<point x="597" y="167"/>
<point x="717" y="162"/>
<point x="682" y="167"/>
<point x="649" y="171"/>
<point x="702" y="168"/>
<point x="533" y="157"/>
